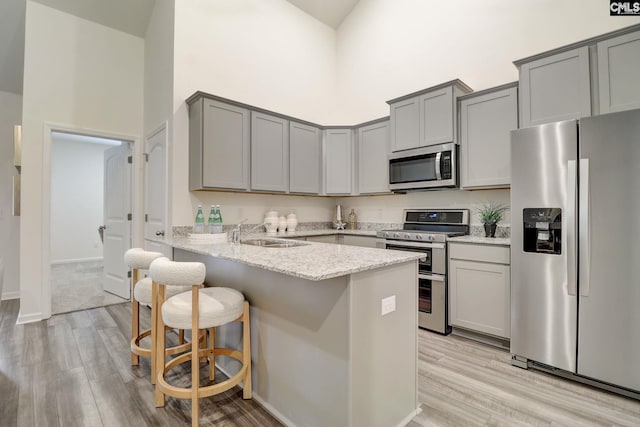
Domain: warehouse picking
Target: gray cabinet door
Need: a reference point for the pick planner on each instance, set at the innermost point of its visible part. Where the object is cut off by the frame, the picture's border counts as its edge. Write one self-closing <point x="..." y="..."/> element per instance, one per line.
<point x="338" y="167"/>
<point x="405" y="124"/>
<point x="436" y="116"/>
<point x="373" y="163"/>
<point x="618" y="71"/>
<point x="555" y="88"/>
<point x="305" y="158"/>
<point x="485" y="125"/>
<point x="269" y="152"/>
<point x="219" y="146"/>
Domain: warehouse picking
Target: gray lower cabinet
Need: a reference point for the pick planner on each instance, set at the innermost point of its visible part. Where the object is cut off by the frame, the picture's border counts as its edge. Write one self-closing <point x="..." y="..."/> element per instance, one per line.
<point x="618" y="73"/>
<point x="218" y="145"/>
<point x="373" y="163"/>
<point x="338" y="161"/>
<point x="362" y="241"/>
<point x="486" y="121"/>
<point x="555" y="87"/>
<point x="305" y="159"/>
<point x="269" y="153"/>
<point x="480" y="288"/>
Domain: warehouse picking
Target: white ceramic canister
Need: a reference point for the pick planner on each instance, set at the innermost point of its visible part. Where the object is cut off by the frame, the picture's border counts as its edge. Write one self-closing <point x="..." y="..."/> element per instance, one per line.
<point x="292" y="222"/>
<point x="271" y="221"/>
<point x="282" y="224"/>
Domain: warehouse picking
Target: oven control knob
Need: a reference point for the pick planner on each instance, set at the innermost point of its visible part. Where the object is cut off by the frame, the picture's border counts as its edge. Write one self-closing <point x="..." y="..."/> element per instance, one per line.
<point x="396" y="235"/>
<point x="387" y="234"/>
<point x="418" y="237"/>
<point x="432" y="238"/>
<point x="407" y="236"/>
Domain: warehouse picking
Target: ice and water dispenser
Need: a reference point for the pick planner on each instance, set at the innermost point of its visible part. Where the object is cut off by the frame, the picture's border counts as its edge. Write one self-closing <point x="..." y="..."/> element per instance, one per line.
<point x="542" y="230"/>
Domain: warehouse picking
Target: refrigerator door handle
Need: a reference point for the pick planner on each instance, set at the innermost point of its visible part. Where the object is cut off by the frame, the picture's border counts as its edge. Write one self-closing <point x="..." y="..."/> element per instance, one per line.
<point x="572" y="175"/>
<point x="585" y="229"/>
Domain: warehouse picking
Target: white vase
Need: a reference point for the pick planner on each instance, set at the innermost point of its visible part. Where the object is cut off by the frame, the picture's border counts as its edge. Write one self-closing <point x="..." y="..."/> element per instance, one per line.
<point x="282" y="224"/>
<point x="271" y="223"/>
<point x="292" y="223"/>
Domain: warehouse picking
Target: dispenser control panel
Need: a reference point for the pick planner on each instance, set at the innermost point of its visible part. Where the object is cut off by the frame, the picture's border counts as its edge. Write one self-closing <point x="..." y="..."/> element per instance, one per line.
<point x="542" y="230"/>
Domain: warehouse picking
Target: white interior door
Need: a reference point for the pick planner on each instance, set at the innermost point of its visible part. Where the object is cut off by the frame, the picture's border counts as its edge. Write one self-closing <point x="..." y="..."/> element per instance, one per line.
<point x="155" y="184"/>
<point x="117" y="201"/>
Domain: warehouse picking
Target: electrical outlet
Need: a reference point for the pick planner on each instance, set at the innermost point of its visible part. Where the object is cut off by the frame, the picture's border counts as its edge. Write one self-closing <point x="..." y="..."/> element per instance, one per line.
<point x="388" y="305"/>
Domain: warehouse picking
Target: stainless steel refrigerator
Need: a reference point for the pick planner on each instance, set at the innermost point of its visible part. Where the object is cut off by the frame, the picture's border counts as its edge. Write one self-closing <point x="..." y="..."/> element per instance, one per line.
<point x="575" y="248"/>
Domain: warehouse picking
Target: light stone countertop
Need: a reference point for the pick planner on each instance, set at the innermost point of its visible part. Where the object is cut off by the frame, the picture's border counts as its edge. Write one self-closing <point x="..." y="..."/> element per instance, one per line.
<point x="502" y="241"/>
<point x="313" y="261"/>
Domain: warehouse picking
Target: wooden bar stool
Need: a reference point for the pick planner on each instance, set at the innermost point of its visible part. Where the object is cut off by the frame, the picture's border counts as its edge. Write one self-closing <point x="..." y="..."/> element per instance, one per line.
<point x="138" y="259"/>
<point x="201" y="309"/>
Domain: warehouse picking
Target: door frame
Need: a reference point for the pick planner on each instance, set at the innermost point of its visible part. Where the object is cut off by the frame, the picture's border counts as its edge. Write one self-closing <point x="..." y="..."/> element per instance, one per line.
<point x="48" y="129"/>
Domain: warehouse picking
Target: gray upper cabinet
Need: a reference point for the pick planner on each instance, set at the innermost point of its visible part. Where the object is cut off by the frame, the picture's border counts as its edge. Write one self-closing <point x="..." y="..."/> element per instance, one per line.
<point x="437" y="113"/>
<point x="405" y="124"/>
<point x="338" y="161"/>
<point x="305" y="158"/>
<point x="486" y="121"/>
<point x="555" y="87"/>
<point x="373" y="149"/>
<point x="218" y="145"/>
<point x="426" y="117"/>
<point x="269" y="153"/>
<point x="618" y="73"/>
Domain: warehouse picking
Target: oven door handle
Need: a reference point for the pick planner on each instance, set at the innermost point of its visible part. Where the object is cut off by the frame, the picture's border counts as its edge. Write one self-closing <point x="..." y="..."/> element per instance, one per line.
<point x="415" y="245"/>
<point x="432" y="277"/>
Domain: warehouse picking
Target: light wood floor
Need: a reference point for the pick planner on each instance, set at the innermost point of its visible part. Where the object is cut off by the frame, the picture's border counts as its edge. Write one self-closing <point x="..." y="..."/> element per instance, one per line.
<point x="74" y="370"/>
<point x="464" y="383"/>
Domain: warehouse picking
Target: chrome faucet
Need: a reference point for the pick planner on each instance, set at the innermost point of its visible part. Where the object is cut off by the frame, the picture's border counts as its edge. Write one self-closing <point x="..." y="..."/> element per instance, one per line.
<point x="236" y="232"/>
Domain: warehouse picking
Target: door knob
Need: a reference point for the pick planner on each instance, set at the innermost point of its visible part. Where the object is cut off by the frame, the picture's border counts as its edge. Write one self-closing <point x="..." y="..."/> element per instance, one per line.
<point x="160" y="233"/>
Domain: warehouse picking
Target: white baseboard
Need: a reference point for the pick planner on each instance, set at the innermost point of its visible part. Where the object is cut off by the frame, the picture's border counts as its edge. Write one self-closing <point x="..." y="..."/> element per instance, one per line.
<point x="29" y="318"/>
<point x="409" y="417"/>
<point x="71" y="261"/>
<point x="10" y="295"/>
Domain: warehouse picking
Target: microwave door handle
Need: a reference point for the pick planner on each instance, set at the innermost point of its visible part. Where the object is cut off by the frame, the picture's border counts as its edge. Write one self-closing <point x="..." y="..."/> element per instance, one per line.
<point x="438" y="155"/>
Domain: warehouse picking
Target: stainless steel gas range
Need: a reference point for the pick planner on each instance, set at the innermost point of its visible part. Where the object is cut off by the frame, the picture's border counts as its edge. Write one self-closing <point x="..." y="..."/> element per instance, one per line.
<point x="427" y="231"/>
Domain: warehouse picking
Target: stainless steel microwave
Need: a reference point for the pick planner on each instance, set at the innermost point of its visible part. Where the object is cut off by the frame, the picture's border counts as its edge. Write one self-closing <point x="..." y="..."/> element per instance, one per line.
<point x="430" y="167"/>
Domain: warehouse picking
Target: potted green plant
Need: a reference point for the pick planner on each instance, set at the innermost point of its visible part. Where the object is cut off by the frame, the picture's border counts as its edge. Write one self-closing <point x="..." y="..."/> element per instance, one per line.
<point x="490" y="214"/>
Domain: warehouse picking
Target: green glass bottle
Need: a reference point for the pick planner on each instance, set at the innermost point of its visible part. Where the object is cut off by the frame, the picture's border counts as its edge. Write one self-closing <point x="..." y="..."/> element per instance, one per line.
<point x="218" y="220"/>
<point x="211" y="221"/>
<point x="198" y="227"/>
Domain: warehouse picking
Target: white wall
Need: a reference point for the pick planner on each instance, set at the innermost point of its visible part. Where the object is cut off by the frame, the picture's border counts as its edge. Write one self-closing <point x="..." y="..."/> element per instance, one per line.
<point x="77" y="200"/>
<point x="265" y="53"/>
<point x="389" y="48"/>
<point x="10" y="114"/>
<point x="158" y="85"/>
<point x="77" y="74"/>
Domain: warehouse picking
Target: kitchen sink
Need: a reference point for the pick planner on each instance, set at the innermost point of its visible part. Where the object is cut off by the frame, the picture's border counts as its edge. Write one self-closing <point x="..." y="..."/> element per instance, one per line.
<point x="272" y="243"/>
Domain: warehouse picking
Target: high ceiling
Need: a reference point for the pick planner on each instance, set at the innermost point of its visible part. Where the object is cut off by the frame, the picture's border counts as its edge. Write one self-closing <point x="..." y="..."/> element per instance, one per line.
<point x="130" y="16"/>
<point x="331" y="12"/>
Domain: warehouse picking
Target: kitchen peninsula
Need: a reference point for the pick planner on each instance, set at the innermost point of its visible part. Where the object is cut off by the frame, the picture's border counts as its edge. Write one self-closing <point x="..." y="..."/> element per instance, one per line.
<point x="322" y="352"/>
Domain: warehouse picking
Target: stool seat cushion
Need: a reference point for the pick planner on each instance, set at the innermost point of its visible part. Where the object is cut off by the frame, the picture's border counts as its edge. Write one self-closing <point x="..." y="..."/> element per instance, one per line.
<point x="217" y="306"/>
<point x="140" y="259"/>
<point x="142" y="291"/>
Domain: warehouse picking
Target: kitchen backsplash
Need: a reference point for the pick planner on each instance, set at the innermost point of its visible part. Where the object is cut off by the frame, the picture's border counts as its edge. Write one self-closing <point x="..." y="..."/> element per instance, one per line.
<point x="475" y="230"/>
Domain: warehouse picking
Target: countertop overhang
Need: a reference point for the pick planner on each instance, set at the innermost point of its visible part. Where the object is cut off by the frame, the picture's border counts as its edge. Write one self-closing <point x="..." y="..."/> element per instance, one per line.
<point x="313" y="261"/>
